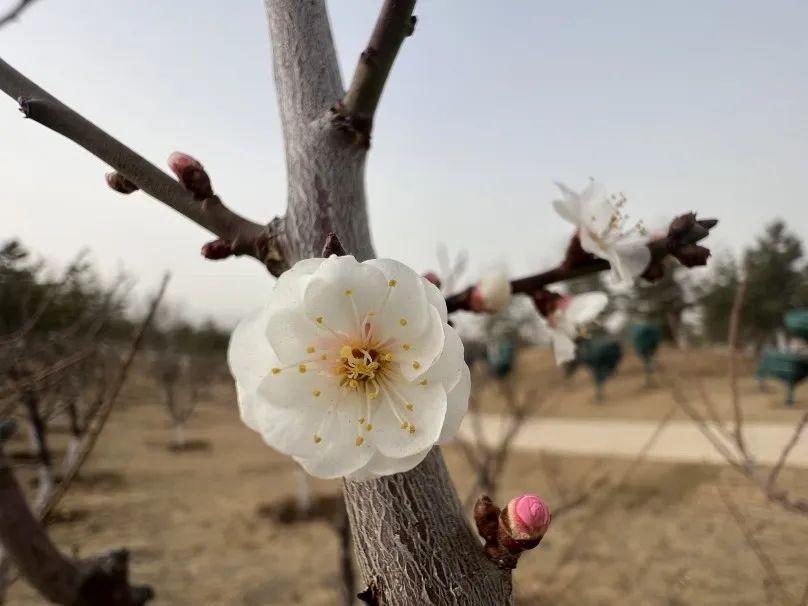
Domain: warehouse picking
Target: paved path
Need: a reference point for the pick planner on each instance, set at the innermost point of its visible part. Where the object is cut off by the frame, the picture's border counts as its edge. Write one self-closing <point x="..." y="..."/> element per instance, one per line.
<point x="679" y="441"/>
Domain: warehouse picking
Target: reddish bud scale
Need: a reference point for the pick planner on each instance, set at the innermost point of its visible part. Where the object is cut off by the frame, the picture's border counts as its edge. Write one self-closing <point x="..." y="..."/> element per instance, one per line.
<point x="217" y="249"/>
<point x="191" y="175"/>
<point x="692" y="255"/>
<point x="119" y="183"/>
<point x="546" y="302"/>
<point x="682" y="225"/>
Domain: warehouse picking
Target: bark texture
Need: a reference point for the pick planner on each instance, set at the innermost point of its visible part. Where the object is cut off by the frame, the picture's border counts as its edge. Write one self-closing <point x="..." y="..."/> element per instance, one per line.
<point x="412" y="541"/>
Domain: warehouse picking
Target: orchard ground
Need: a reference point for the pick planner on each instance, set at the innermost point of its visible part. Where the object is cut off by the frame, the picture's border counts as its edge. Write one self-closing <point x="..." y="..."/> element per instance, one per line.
<point x="195" y="520"/>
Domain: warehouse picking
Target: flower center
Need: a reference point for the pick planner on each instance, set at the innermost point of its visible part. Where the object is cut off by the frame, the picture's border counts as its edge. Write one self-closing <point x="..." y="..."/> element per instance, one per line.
<point x="359" y="366"/>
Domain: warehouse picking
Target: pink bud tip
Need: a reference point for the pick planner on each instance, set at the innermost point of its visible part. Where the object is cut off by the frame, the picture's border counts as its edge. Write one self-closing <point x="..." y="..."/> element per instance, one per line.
<point x="433" y="277"/>
<point x="529" y="517"/>
<point x="217" y="249"/>
<point x="119" y="183"/>
<point x="191" y="174"/>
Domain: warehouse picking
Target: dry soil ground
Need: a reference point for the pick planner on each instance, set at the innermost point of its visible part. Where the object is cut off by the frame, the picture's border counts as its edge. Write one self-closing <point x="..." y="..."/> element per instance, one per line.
<point x="193" y="522"/>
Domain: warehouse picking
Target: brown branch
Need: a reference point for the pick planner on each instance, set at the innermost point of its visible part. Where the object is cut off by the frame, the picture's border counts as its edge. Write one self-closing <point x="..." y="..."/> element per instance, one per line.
<point x="14" y="13"/>
<point x="795" y="437"/>
<point x="100" y="417"/>
<point x="355" y="111"/>
<point x="660" y="248"/>
<point x="765" y="561"/>
<point x="61" y="580"/>
<point x="244" y="236"/>
<point x="732" y="372"/>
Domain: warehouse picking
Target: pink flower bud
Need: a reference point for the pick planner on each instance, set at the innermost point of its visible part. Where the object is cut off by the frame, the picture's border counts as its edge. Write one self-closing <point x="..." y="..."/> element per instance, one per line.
<point x="191" y="175"/>
<point x="119" y="183"/>
<point x="527" y="518"/>
<point x="433" y="277"/>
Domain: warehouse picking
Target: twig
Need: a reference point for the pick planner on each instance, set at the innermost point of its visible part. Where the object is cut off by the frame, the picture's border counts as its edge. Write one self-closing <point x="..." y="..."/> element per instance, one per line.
<point x="660" y="248"/>
<point x="243" y="236"/>
<point x="14" y="13"/>
<point x="356" y="110"/>
<point x="734" y="330"/>
<point x="795" y="437"/>
<point x="764" y="559"/>
<point x="100" y="418"/>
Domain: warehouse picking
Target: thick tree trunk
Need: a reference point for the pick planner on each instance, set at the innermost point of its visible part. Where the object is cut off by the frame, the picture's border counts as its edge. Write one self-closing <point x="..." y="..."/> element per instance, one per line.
<point x="413" y="543"/>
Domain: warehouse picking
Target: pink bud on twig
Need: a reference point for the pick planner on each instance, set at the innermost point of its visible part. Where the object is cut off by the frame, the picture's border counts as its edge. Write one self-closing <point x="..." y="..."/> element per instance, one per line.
<point x="492" y="294"/>
<point x="526" y="518"/>
<point x="191" y="175"/>
<point x="516" y="528"/>
<point x="119" y="183"/>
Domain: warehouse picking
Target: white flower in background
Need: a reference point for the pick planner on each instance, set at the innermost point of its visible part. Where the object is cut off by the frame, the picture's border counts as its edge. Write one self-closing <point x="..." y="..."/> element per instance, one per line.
<point x="491" y="294"/>
<point x="602" y="229"/>
<point x="351" y="368"/>
<point x="569" y="318"/>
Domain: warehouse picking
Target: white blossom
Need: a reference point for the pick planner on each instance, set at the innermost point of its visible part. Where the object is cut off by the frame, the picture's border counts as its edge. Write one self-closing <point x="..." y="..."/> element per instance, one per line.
<point x="569" y="319"/>
<point x="351" y="368"/>
<point x="602" y="229"/>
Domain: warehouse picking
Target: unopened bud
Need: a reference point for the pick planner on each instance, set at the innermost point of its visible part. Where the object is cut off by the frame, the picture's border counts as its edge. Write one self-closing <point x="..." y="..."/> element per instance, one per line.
<point x="655" y="271"/>
<point x="526" y="520"/>
<point x="217" y="249"/>
<point x="431" y="276"/>
<point x="681" y="225"/>
<point x="492" y="294"/>
<point x="119" y="183"/>
<point x="191" y="175"/>
<point x="692" y="255"/>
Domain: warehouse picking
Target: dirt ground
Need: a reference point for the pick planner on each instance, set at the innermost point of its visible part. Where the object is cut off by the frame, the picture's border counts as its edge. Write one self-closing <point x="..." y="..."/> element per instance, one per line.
<point x="193" y="521"/>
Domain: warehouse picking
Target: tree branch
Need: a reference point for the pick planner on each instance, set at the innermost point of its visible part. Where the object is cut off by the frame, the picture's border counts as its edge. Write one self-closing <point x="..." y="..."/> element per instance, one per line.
<point x="660" y="248"/>
<point x="14" y="13"/>
<point x="245" y="237"/>
<point x="358" y="106"/>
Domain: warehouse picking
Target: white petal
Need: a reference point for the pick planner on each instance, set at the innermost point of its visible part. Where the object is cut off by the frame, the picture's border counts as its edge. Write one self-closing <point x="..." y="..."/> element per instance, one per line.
<point x="405" y="310"/>
<point x="449" y="366"/>
<point x="340" y="455"/>
<point x="417" y="354"/>
<point x="569" y="206"/>
<point x="457" y="404"/>
<point x="564" y="348"/>
<point x="380" y="465"/>
<point x="289" y="289"/>
<point x="633" y="259"/>
<point x="597" y="209"/>
<point x="291" y="388"/>
<point x="584" y="308"/>
<point x="292" y="333"/>
<point x="428" y="410"/>
<point x="341" y="292"/>
<point x="249" y="356"/>
<point x="590" y="245"/>
<point x="435" y="298"/>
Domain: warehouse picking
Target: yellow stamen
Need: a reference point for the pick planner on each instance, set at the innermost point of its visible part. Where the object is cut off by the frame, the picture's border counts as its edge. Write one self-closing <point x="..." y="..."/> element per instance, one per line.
<point x="388" y="357"/>
<point x="319" y="319"/>
<point x="405" y="425"/>
<point x="416" y="365"/>
<point x="323" y="357"/>
<point x="317" y="439"/>
<point x="410" y="406"/>
<point x="359" y="441"/>
<point x="422" y="382"/>
<point x="403" y="321"/>
<point x="392" y="283"/>
<point x="369" y="427"/>
<point x="346" y="352"/>
<point x="310" y="349"/>
<point x="406" y="347"/>
<point x="348" y="292"/>
<point x="362" y="420"/>
<point x="412" y="429"/>
<point x="276" y="371"/>
<point x="301" y="368"/>
<point x="316" y="393"/>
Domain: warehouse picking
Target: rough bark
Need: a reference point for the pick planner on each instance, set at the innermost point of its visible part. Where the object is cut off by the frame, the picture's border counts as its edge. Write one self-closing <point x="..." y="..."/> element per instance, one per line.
<point x="413" y="544"/>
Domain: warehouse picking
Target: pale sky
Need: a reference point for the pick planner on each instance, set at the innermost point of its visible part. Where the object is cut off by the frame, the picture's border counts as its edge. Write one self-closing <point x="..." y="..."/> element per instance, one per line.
<point x="698" y="105"/>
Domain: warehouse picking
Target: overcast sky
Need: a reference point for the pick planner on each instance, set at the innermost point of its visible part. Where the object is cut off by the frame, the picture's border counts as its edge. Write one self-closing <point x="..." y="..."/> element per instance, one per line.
<point x="682" y="105"/>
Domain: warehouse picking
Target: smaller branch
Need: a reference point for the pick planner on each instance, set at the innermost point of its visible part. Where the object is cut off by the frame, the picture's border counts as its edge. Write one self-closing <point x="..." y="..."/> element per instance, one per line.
<point x="14" y="13"/>
<point x="734" y="331"/>
<point x="765" y="561"/>
<point x="660" y="248"/>
<point x="245" y="237"/>
<point x="795" y="437"/>
<point x="355" y="112"/>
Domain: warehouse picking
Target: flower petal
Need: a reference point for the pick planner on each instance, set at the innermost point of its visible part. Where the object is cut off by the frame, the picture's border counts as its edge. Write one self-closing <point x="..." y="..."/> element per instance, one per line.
<point x="249" y="356"/>
<point x="569" y="206"/>
<point x="457" y="405"/>
<point x="564" y="347"/>
<point x="417" y="354"/>
<point x="380" y="465"/>
<point x="408" y="418"/>
<point x="449" y="366"/>
<point x="341" y="293"/>
<point x="632" y="259"/>
<point x="584" y="308"/>
<point x="436" y="299"/>
<point x="405" y="309"/>
<point x="291" y="285"/>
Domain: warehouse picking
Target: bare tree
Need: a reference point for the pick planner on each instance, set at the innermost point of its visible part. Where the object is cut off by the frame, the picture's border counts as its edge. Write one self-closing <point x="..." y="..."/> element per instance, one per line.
<point x="413" y="543"/>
